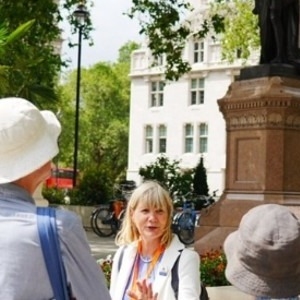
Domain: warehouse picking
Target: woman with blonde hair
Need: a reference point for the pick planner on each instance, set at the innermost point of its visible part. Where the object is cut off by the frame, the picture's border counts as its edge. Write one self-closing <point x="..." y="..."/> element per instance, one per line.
<point x="149" y="249"/>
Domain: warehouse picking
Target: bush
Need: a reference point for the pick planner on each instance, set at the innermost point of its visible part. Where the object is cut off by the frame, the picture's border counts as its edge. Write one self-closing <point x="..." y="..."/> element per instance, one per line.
<point x="200" y="185"/>
<point x="213" y="264"/>
<point x="106" y="265"/>
<point x="54" y="195"/>
<point x="212" y="268"/>
<point x="94" y="188"/>
<point x="169" y="173"/>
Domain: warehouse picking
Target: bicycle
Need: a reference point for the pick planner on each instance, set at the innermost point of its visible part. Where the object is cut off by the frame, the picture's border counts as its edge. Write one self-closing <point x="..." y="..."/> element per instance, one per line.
<point x="203" y="201"/>
<point x="106" y="220"/>
<point x="185" y="221"/>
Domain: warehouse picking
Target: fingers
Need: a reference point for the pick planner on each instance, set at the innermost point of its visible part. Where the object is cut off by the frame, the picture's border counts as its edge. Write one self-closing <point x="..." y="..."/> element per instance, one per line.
<point x="145" y="292"/>
<point x="132" y="295"/>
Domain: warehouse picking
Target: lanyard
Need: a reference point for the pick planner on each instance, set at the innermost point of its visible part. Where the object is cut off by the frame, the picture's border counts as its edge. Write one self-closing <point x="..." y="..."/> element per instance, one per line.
<point x="151" y="266"/>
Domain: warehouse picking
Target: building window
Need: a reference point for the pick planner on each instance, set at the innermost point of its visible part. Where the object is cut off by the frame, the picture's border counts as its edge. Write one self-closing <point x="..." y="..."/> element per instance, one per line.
<point x="149" y="139"/>
<point x="197" y="91"/>
<point x="198" y="51"/>
<point x="157" y="93"/>
<point x="162" y="142"/>
<point x="203" y="137"/>
<point x="189" y="139"/>
<point x="158" y="61"/>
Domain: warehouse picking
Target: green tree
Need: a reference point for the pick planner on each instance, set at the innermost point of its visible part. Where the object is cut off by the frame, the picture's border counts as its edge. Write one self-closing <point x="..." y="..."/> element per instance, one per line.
<point x="162" y="21"/>
<point x="126" y="50"/>
<point x="167" y="172"/>
<point x="35" y="62"/>
<point x="103" y="124"/>
<point x="241" y="33"/>
<point x="200" y="185"/>
<point x="6" y="39"/>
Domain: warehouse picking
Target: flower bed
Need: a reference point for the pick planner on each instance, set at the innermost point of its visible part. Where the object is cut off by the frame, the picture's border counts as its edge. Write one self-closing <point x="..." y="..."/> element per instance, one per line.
<point x="106" y="265"/>
<point x="212" y="268"/>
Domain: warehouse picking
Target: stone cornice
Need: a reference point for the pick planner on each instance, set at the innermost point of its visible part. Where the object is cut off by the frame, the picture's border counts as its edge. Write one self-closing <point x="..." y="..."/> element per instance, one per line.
<point x="262" y="103"/>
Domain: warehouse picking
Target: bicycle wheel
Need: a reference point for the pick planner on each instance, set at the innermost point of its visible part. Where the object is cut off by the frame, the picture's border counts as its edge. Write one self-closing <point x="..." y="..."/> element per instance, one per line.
<point x="104" y="220"/>
<point x="121" y="218"/>
<point x="186" y="228"/>
<point x="93" y="220"/>
<point x="175" y="219"/>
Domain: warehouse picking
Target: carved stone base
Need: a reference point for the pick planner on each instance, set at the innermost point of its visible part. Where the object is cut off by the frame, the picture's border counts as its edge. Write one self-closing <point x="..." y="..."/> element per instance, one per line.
<point x="262" y="156"/>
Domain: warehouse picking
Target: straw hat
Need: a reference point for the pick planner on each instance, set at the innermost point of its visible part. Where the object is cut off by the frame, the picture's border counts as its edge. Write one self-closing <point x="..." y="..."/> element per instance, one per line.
<point x="263" y="257"/>
<point x="28" y="138"/>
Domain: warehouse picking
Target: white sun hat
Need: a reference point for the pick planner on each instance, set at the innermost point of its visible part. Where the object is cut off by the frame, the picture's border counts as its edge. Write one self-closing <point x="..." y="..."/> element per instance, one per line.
<point x="28" y="138"/>
<point x="263" y="257"/>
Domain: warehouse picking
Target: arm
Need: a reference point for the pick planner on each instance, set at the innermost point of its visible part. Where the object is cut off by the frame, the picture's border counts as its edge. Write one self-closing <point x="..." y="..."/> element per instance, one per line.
<point x="83" y="273"/>
<point x="189" y="276"/>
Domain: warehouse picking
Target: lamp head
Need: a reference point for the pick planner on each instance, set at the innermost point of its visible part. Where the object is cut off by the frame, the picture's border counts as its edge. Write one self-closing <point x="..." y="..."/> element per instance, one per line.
<point x="81" y="14"/>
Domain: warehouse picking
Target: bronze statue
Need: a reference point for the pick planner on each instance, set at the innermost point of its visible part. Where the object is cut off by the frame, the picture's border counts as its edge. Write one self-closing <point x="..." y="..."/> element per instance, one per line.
<point x="279" y="30"/>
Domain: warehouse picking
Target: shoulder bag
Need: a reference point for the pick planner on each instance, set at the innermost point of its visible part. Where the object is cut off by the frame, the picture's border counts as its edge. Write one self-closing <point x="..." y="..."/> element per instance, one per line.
<point x="46" y="222"/>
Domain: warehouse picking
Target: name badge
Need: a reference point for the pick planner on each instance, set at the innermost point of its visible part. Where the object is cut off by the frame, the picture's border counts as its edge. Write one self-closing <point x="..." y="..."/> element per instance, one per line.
<point x="163" y="272"/>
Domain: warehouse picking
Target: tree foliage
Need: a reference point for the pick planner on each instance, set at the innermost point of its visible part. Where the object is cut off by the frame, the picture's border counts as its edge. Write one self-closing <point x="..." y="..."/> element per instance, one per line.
<point x="167" y="172"/>
<point x="34" y="62"/>
<point x="167" y="26"/>
<point x="240" y="28"/>
<point x="161" y="23"/>
<point x="7" y="38"/>
<point x="103" y="122"/>
<point x="200" y="185"/>
<point x="126" y="50"/>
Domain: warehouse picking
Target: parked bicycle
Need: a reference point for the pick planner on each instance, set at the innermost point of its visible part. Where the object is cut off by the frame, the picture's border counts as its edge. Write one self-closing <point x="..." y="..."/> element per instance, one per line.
<point x="106" y="220"/>
<point x="203" y="201"/>
<point x="185" y="221"/>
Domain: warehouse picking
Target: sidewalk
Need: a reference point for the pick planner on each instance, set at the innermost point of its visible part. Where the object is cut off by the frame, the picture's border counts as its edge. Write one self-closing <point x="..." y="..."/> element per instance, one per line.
<point x="227" y="293"/>
<point x="100" y="246"/>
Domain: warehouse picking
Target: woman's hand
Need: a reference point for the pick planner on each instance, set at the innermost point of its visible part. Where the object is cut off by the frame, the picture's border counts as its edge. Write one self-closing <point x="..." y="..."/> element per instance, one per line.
<point x="144" y="292"/>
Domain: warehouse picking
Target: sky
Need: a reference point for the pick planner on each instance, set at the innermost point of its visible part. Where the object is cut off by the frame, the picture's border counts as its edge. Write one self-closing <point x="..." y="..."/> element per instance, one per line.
<point x="112" y="31"/>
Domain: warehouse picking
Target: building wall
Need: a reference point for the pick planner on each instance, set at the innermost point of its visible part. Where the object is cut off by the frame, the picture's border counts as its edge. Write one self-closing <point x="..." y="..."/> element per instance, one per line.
<point x="177" y="111"/>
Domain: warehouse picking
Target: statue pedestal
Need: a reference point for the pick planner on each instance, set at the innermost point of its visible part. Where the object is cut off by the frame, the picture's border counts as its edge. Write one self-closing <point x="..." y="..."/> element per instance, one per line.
<point x="262" y="154"/>
<point x="38" y="197"/>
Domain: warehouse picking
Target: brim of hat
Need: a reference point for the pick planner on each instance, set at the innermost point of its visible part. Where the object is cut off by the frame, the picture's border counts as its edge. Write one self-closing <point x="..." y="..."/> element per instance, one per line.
<point x="252" y="284"/>
<point x="31" y="157"/>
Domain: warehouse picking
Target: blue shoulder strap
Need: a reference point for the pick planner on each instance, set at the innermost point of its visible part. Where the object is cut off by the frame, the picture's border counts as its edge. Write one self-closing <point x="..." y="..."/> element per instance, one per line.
<point x="46" y="222"/>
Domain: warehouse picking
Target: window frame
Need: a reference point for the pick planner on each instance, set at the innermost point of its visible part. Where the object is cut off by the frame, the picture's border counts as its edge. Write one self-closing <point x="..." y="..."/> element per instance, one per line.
<point x="157" y="93"/>
<point x="203" y="138"/>
<point x="198" y="51"/>
<point x="188" y="138"/>
<point x="197" y="92"/>
<point x="148" y="139"/>
<point x="162" y="137"/>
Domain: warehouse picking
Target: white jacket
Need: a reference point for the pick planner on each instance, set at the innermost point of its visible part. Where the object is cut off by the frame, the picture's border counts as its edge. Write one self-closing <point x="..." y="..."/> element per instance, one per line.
<point x="188" y="272"/>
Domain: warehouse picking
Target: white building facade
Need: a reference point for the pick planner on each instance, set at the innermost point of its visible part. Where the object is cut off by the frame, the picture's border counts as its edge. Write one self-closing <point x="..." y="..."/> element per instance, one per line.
<point x="181" y="119"/>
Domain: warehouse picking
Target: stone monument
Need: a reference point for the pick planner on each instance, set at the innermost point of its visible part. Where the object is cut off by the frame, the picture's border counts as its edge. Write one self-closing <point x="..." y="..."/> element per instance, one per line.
<point x="262" y="114"/>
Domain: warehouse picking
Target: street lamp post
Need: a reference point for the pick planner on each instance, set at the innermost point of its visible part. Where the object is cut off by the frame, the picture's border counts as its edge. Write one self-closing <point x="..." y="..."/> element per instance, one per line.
<point x="80" y="15"/>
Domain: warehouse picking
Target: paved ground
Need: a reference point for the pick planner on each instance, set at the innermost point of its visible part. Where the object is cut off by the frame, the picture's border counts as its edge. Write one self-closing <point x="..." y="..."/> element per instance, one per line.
<point x="100" y="246"/>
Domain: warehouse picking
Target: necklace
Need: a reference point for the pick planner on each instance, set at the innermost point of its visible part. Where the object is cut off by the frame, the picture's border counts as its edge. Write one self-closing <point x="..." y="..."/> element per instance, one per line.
<point x="146" y="259"/>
